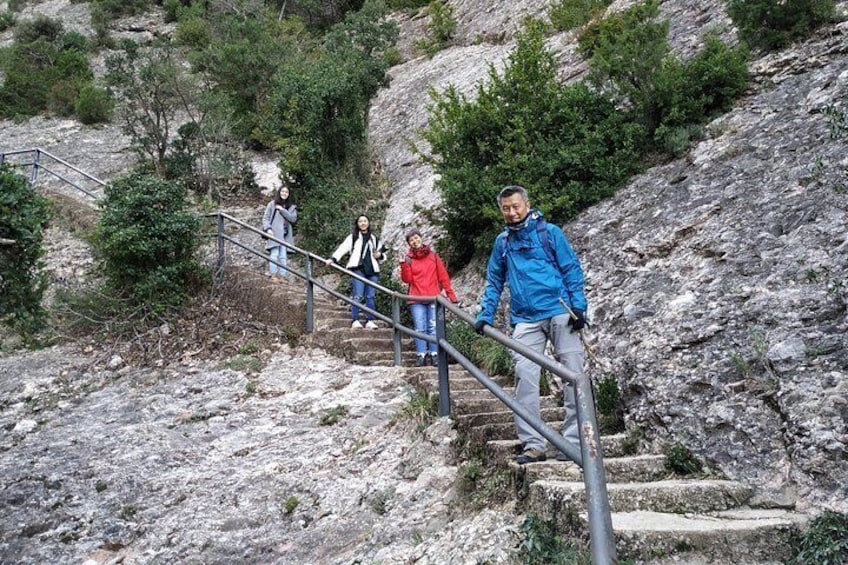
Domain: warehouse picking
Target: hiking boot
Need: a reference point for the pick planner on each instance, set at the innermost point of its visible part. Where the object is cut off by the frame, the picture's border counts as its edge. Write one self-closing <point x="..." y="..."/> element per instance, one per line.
<point x="420" y="360"/>
<point x="562" y="456"/>
<point x="356" y="325"/>
<point x="531" y="456"/>
<point x="431" y="360"/>
<point x="370" y="325"/>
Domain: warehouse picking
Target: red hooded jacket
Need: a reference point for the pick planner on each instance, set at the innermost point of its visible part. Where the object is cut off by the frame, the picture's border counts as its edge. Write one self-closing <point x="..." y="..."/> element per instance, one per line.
<point x="424" y="271"/>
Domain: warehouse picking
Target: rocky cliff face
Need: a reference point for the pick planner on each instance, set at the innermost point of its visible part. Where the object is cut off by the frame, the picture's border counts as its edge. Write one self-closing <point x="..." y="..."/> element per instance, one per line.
<point x="717" y="282"/>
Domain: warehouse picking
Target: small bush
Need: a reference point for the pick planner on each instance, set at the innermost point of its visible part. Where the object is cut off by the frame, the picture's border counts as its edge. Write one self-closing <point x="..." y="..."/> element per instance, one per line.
<point x="825" y="541"/>
<point x="94" y="105"/>
<point x="7" y="20"/>
<point x="147" y="239"/>
<point x="41" y="27"/>
<point x="62" y="98"/>
<point x="421" y="409"/>
<point x="333" y="415"/>
<point x="770" y="25"/>
<point x="542" y="544"/>
<point x="291" y="504"/>
<point x="566" y="15"/>
<point x="193" y="32"/>
<point x="610" y="405"/>
<point x="23" y="217"/>
<point x="681" y="461"/>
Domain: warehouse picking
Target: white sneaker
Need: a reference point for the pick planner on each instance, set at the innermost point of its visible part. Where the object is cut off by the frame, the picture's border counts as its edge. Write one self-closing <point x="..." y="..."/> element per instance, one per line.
<point x="356" y="325"/>
<point x="371" y="325"/>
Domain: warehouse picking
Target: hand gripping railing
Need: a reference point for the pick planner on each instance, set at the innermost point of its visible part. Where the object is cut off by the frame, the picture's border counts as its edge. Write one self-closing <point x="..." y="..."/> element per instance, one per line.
<point x="37" y="164"/>
<point x="590" y="454"/>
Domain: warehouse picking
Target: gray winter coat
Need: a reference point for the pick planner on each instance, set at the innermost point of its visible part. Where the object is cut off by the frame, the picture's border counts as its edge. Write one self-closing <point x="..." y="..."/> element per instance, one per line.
<point x="279" y="221"/>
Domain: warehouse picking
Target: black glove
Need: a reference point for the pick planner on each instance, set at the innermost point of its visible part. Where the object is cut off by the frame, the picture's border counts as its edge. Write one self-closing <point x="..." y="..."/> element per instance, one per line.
<point x="479" y="325"/>
<point x="578" y="321"/>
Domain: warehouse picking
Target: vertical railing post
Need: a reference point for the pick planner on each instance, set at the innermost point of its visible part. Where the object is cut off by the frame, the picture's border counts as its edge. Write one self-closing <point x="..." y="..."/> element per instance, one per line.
<point x="442" y="362"/>
<point x="34" y="176"/>
<point x="601" y="535"/>
<point x="396" y="333"/>
<point x="310" y="297"/>
<point x="219" y="260"/>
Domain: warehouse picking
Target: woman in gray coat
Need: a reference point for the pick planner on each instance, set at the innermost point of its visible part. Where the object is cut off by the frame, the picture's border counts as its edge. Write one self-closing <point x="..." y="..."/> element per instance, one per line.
<point x="277" y="221"/>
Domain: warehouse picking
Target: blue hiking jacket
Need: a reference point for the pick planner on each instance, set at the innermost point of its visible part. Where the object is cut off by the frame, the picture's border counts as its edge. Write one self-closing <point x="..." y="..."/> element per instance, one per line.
<point x="536" y="282"/>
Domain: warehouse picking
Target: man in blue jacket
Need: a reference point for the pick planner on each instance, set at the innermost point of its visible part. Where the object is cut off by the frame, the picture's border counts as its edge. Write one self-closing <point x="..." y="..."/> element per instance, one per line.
<point x="546" y="286"/>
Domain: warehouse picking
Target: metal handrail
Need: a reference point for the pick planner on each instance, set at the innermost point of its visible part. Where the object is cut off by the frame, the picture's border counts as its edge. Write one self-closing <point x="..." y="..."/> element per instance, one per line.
<point x="590" y="454"/>
<point x="37" y="165"/>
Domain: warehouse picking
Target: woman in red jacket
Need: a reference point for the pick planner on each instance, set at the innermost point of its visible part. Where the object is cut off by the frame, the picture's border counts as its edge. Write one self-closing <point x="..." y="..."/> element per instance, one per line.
<point x="424" y="271"/>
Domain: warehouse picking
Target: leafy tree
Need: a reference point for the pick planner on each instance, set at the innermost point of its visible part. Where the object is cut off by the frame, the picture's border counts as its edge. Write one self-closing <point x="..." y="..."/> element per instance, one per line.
<point x="23" y="216"/>
<point x="568" y="145"/>
<point x="146" y="240"/>
<point x="770" y="25"/>
<point x="568" y="14"/>
<point x="151" y="88"/>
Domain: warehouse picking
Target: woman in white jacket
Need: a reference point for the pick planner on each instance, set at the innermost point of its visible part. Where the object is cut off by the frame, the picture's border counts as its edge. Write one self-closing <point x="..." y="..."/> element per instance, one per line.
<point x="366" y="252"/>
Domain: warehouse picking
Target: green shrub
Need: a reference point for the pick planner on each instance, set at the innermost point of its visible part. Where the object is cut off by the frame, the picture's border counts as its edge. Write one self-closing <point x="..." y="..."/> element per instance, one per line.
<point x="333" y="415"/>
<point x="610" y="405"/>
<point x="542" y="544"/>
<point x="825" y="541"/>
<point x="146" y="240"/>
<point x="61" y="99"/>
<point x="41" y="27"/>
<point x="679" y="460"/>
<point x="566" y="15"/>
<point x="193" y="32"/>
<point x="23" y="216"/>
<point x="440" y="27"/>
<point x="33" y="69"/>
<point x="770" y="25"/>
<point x="74" y="40"/>
<point x="7" y="20"/>
<point x="94" y="105"/>
<point x="568" y="145"/>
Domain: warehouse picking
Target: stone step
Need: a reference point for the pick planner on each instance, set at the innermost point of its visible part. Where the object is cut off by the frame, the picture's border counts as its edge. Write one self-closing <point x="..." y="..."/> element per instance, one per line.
<point x="633" y="469"/>
<point x="553" y="499"/>
<point x="503" y="431"/>
<point x="614" y="445"/>
<point x="464" y="421"/>
<point x="734" y="536"/>
<point x="462" y="383"/>
<point x="476" y="404"/>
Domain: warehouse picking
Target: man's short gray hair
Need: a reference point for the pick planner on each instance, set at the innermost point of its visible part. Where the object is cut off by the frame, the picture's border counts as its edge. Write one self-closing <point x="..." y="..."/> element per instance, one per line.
<point x="508" y="191"/>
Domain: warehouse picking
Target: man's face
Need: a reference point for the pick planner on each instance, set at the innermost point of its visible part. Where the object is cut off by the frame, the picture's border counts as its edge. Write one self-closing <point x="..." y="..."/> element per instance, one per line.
<point x="514" y="208"/>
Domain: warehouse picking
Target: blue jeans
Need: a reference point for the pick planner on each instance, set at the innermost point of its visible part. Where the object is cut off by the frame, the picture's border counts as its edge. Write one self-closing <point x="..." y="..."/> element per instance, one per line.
<point x="361" y="290"/>
<point x="279" y="254"/>
<point x="424" y="321"/>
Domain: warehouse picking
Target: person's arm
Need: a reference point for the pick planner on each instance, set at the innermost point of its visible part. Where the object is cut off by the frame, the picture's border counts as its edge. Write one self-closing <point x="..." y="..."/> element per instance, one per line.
<point x="495" y="276"/>
<point x="444" y="279"/>
<point x="569" y="266"/>
<point x="290" y="214"/>
<point x="268" y="217"/>
<point x="343" y="249"/>
<point x="379" y="250"/>
<point x="406" y="270"/>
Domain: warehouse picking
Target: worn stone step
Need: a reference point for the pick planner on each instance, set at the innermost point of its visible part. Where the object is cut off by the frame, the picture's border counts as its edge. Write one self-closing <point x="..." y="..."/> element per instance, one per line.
<point x="633" y="469"/>
<point x="503" y="431"/>
<point x="614" y="445"/>
<point x="552" y="499"/>
<point x="736" y="536"/>
<point x="462" y="383"/>
<point x="490" y="403"/>
<point x="465" y="421"/>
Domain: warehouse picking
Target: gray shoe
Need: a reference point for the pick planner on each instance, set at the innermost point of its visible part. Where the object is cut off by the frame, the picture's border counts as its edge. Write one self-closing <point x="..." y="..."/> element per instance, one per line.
<point x="531" y="456"/>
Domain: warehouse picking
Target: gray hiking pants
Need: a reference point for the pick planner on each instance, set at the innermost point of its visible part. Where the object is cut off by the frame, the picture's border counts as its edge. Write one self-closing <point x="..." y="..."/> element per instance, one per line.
<point x="568" y="350"/>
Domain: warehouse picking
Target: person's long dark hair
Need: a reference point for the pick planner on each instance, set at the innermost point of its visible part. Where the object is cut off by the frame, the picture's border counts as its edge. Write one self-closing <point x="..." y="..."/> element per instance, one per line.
<point x="286" y="202"/>
<point x="356" y="233"/>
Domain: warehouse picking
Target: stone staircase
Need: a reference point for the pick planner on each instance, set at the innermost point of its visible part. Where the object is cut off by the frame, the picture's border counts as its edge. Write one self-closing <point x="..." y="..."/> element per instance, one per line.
<point x="657" y="517"/>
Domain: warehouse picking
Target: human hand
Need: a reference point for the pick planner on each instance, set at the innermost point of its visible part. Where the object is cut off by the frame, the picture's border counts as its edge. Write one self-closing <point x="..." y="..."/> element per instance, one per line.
<point x="479" y="325"/>
<point x="577" y="320"/>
